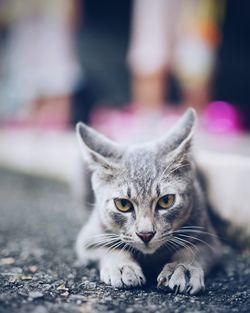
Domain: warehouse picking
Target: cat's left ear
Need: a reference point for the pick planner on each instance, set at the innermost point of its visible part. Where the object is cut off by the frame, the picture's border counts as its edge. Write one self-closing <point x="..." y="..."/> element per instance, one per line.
<point x="179" y="141"/>
<point x="98" y="151"/>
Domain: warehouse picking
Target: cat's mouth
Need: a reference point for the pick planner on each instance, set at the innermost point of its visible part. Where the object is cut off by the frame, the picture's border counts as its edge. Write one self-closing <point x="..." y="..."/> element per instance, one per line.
<point x="150" y="247"/>
<point x="146" y="246"/>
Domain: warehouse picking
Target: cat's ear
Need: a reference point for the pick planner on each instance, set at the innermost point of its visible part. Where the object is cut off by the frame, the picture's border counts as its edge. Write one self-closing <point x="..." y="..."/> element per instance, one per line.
<point x="179" y="141"/>
<point x="98" y="151"/>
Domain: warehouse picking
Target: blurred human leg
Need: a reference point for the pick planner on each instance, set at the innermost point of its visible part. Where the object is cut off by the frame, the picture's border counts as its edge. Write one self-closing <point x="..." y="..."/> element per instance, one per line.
<point x="148" y="91"/>
<point x="42" y="64"/>
<point x="197" y="40"/>
<point x="150" y="51"/>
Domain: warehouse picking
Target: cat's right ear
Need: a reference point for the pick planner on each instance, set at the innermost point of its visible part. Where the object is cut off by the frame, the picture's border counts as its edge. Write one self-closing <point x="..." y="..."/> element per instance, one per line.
<point x="178" y="142"/>
<point x="98" y="151"/>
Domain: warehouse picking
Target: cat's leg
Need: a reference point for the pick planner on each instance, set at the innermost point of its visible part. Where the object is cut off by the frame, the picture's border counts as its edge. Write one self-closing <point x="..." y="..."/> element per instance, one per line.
<point x="188" y="267"/>
<point x="117" y="268"/>
<point x="182" y="277"/>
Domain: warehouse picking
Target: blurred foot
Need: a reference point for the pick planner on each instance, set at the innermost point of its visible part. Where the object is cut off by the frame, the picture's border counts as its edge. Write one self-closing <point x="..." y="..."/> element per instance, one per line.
<point x="52" y="113"/>
<point x="129" y="124"/>
<point x="221" y="117"/>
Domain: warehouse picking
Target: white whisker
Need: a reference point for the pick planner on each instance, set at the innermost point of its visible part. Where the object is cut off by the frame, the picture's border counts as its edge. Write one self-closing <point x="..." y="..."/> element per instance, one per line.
<point x="105" y="235"/>
<point x="188" y="243"/>
<point x="115" y="246"/>
<point x="172" y="245"/>
<point x="103" y="242"/>
<point x="178" y="243"/>
<point x="175" y="169"/>
<point x="201" y="227"/>
<point x="186" y="246"/>
<point x="167" y="168"/>
<point x="195" y="231"/>
<point x="198" y="239"/>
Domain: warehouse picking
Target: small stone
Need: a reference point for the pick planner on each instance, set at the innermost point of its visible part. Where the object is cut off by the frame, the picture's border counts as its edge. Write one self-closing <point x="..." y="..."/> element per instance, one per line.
<point x="46" y="287"/>
<point x="33" y="269"/>
<point x="65" y="294"/>
<point x="85" y="308"/>
<point x="21" y="293"/>
<point x="26" y="277"/>
<point x="35" y="294"/>
<point x="176" y="299"/>
<point x="13" y="279"/>
<point x="62" y="287"/>
<point x="7" y="261"/>
<point x="90" y="285"/>
<point x="78" y="297"/>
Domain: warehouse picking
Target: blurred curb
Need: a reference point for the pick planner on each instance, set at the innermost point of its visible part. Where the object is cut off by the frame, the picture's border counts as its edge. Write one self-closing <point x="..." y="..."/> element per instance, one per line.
<point x="53" y="155"/>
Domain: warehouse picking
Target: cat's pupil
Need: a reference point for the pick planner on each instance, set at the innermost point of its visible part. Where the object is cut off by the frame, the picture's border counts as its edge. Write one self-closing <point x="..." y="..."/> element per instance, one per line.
<point x="124" y="202"/>
<point x="165" y="199"/>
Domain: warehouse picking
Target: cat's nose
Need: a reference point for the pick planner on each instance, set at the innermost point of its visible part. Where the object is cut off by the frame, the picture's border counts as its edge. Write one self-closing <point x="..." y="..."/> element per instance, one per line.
<point x="146" y="236"/>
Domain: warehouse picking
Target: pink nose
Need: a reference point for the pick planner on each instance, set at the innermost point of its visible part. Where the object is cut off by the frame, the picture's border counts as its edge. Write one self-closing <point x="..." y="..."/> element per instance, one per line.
<point x="146" y="236"/>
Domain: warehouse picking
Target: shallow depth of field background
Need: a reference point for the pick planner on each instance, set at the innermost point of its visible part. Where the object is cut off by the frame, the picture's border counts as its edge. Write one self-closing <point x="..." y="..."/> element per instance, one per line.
<point x="127" y="73"/>
<point x="129" y="69"/>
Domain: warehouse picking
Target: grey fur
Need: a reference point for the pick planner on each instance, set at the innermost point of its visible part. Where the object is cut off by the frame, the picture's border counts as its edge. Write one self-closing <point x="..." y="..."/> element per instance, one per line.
<point x="184" y="241"/>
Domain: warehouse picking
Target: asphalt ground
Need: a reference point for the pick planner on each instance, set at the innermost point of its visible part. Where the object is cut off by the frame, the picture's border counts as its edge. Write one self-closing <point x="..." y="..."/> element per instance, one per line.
<point x="39" y="221"/>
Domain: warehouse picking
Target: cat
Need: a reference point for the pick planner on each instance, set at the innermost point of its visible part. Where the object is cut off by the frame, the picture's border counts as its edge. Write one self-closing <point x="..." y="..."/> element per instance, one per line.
<point x="150" y="213"/>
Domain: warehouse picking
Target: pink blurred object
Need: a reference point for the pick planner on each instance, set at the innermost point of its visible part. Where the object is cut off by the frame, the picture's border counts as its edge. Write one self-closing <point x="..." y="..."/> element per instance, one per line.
<point x="222" y="117"/>
<point x="50" y="123"/>
<point x="114" y="123"/>
<point x="129" y="125"/>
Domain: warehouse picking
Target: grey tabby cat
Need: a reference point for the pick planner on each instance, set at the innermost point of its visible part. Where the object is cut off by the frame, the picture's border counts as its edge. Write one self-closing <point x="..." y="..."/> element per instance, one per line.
<point x="150" y="214"/>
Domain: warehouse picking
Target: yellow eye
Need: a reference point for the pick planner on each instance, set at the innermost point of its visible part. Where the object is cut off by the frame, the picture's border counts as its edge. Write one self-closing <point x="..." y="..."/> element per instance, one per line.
<point x="166" y="201"/>
<point x="123" y="205"/>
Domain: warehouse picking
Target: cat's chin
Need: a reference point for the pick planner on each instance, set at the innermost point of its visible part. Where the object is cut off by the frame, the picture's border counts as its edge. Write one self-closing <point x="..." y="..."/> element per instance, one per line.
<point x="147" y="249"/>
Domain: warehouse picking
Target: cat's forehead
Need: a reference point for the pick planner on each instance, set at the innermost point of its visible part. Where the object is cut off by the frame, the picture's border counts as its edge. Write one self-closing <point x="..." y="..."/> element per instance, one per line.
<point x="141" y="172"/>
<point x="141" y="163"/>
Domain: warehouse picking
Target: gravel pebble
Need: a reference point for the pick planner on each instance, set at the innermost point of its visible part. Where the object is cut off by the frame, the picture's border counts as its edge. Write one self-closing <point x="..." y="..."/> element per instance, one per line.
<point x="35" y="294"/>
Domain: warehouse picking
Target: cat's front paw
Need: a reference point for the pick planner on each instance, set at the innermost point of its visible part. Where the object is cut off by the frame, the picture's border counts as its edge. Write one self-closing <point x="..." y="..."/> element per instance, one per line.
<point x="123" y="276"/>
<point x="182" y="278"/>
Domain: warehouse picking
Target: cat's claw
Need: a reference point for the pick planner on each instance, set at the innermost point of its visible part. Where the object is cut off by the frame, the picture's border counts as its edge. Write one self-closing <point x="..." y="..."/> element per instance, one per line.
<point x="125" y="276"/>
<point x="182" y="278"/>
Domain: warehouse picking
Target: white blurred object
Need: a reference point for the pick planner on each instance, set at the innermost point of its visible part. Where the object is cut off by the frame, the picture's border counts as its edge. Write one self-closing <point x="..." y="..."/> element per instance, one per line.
<point x="151" y="23"/>
<point x="228" y="178"/>
<point x="161" y="38"/>
<point x="48" y="154"/>
<point x="39" y="57"/>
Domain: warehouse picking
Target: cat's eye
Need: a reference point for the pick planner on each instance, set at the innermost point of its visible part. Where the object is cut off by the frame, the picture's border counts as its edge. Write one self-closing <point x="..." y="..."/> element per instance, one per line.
<point x="123" y="205"/>
<point x="166" y="201"/>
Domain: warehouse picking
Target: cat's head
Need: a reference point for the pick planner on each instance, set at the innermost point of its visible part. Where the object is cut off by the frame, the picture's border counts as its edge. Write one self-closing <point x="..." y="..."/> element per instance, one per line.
<point x="142" y="192"/>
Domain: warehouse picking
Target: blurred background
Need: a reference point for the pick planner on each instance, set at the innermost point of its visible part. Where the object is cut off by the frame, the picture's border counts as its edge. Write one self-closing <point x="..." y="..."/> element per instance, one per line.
<point x="65" y="61"/>
<point x="128" y="68"/>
